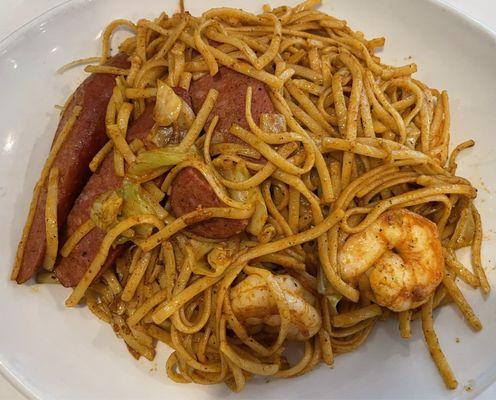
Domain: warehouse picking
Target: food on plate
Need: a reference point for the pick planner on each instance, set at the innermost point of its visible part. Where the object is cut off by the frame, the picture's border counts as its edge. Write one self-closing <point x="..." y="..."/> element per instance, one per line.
<point x="73" y="265"/>
<point x="79" y="136"/>
<point x="402" y="254"/>
<point x="228" y="107"/>
<point x="256" y="180"/>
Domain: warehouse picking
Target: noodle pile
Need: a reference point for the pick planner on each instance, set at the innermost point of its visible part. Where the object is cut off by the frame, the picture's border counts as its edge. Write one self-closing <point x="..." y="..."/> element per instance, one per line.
<point x="358" y="138"/>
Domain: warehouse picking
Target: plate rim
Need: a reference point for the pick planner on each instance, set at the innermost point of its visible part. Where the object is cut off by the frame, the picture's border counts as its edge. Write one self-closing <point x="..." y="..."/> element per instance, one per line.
<point x="26" y="25"/>
<point x="487" y="379"/>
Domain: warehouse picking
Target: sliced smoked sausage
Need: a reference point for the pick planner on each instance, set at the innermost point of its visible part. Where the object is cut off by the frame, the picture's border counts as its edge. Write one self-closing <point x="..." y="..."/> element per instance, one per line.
<point x="84" y="140"/>
<point x="230" y="105"/>
<point x="70" y="269"/>
<point x="189" y="191"/>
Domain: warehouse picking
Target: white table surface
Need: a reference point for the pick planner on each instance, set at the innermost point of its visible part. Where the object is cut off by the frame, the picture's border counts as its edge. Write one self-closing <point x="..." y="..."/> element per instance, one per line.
<point x="15" y="13"/>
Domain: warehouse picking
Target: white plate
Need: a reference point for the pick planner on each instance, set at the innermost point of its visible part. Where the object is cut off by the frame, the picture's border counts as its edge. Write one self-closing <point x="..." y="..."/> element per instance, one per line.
<point x="50" y="352"/>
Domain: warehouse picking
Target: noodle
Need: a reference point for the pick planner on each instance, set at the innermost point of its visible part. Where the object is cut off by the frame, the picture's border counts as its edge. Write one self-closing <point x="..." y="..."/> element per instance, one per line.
<point x="96" y="264"/>
<point x="136" y="276"/>
<point x="120" y="143"/>
<point x="405" y="327"/>
<point x="351" y="318"/>
<point x="462" y="304"/>
<point x="51" y="225"/>
<point x="476" y="250"/>
<point x="75" y="63"/>
<point x="434" y="348"/>
<point x="103" y="69"/>
<point x="100" y="156"/>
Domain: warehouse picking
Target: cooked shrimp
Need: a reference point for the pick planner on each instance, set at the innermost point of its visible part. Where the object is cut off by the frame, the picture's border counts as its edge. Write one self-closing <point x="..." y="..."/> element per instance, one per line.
<point x="401" y="254"/>
<point x="253" y="304"/>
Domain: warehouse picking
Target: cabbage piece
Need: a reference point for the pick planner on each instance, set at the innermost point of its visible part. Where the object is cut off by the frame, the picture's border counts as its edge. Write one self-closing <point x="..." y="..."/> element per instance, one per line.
<point x="412" y="136"/>
<point x="162" y="136"/>
<point x="105" y="210"/>
<point x="111" y="207"/>
<point x="148" y="161"/>
<point x="238" y="172"/>
<point x="186" y="116"/>
<point x="333" y="300"/>
<point x="272" y="122"/>
<point x="135" y="204"/>
<point x="324" y="288"/>
<point x="464" y="230"/>
<point x="260" y="215"/>
<point x="168" y="105"/>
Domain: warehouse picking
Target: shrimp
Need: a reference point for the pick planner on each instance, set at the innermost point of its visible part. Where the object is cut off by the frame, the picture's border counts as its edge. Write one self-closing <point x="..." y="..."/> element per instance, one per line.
<point x="253" y="304"/>
<point x="401" y="254"/>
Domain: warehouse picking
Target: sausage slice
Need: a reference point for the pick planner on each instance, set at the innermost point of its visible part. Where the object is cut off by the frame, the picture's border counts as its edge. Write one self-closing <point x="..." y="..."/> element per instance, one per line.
<point x="189" y="189"/>
<point x="70" y="269"/>
<point x="82" y="143"/>
<point x="230" y="105"/>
